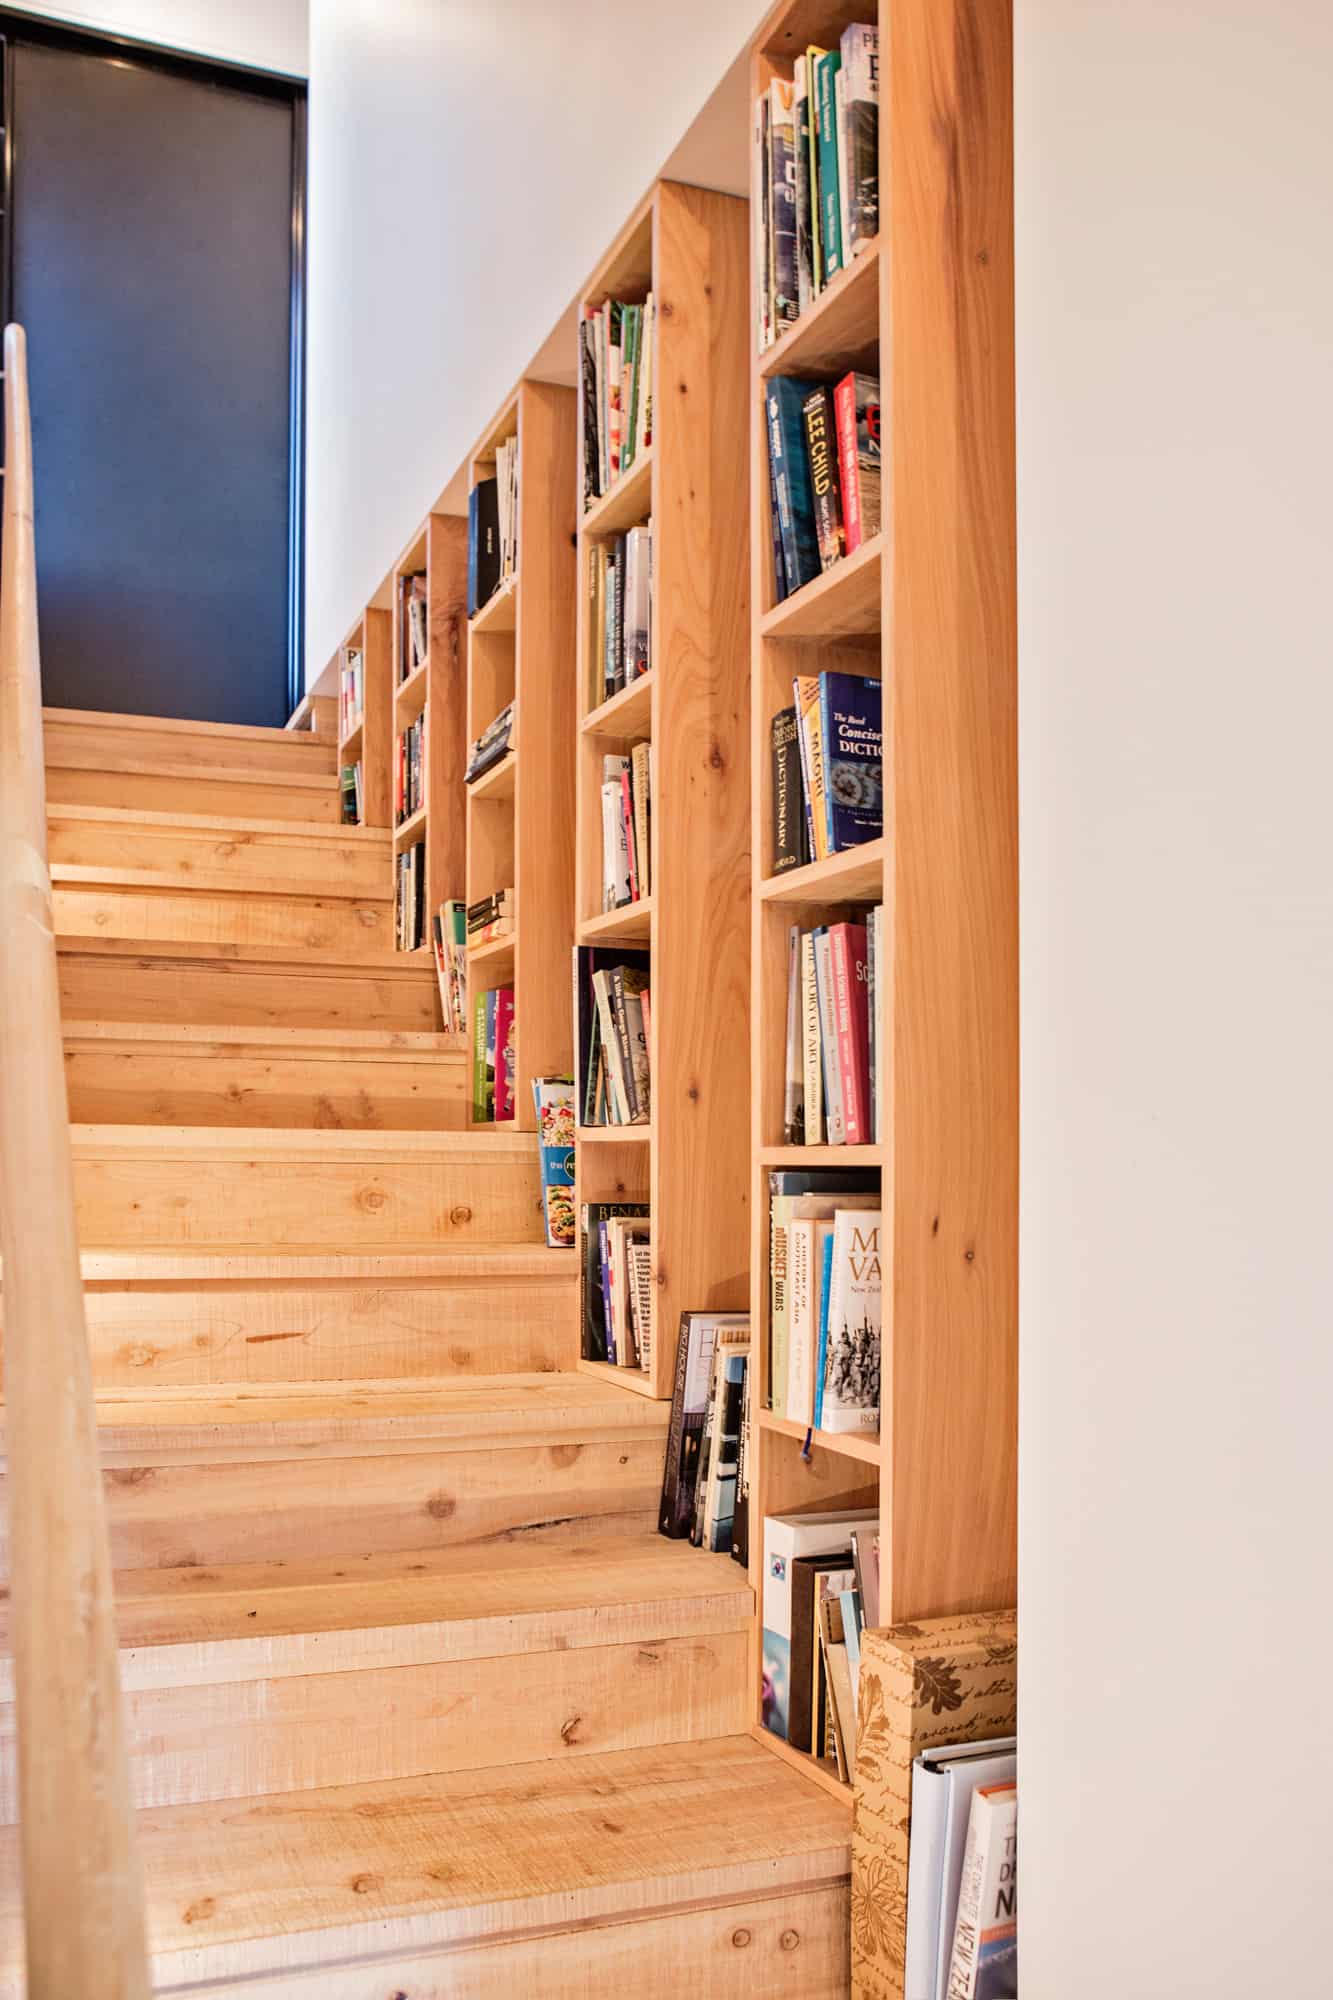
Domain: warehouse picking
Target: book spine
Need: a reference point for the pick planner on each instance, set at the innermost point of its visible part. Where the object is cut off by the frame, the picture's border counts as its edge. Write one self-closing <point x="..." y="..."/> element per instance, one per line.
<point x="504" y="1075"/>
<point x="793" y="1103"/>
<point x="479" y="1059"/>
<point x="673" y="1486"/>
<point x="849" y="464"/>
<point x="620" y="1022"/>
<point x="828" y="1040"/>
<point x="807" y="690"/>
<point x="775" y="533"/>
<point x="786" y="304"/>
<point x="827" y="65"/>
<point x="800" y="121"/>
<point x="844" y="213"/>
<point x="860" y="67"/>
<point x="851" y="1083"/>
<point x="817" y="414"/>
<point x="779" y="1302"/>
<point x="796" y="502"/>
<point x="788" y="804"/>
<point x="810" y="1062"/>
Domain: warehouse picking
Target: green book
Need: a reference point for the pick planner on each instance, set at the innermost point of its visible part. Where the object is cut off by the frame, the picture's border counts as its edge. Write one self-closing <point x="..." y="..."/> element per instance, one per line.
<point x="633" y="324"/>
<point x="480" y="1110"/>
<point x="826" y="66"/>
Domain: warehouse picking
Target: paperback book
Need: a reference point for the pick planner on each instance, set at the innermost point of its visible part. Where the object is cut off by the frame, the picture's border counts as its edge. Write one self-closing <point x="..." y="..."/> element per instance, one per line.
<point x="553" y="1101"/>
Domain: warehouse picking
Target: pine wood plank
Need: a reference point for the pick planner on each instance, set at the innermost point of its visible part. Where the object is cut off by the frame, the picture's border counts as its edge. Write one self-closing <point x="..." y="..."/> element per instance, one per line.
<point x="185" y="983"/>
<point x="105" y="741"/>
<point x="377" y="719"/>
<point x="238" y="795"/>
<point x="209" y="850"/>
<point x="446" y="731"/>
<point x="361" y="928"/>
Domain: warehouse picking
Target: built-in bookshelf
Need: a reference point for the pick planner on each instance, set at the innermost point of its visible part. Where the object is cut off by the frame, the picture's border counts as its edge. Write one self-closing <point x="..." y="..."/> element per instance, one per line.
<point x="362" y="684"/>
<point x="926" y="606"/>
<point x="519" y="820"/>
<point x="429" y="676"/>
<point x="681" y="691"/>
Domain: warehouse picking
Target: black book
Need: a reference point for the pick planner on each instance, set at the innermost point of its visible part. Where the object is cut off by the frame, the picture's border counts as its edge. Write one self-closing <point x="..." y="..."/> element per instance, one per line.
<point x="592" y="478"/>
<point x="790" y="836"/>
<point x="483" y="548"/>
<point x="740" y="1524"/>
<point x="821" y="450"/>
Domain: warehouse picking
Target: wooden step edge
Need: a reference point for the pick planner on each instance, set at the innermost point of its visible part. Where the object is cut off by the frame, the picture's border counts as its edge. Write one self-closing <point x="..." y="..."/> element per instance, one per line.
<point x="283" y="832"/>
<point x="302" y="1145"/>
<point x="67" y="758"/>
<point x="166" y="1037"/>
<point x="171" y="725"/>
<point x="331" y="1265"/>
<point x="313" y="892"/>
<point x="331" y="961"/>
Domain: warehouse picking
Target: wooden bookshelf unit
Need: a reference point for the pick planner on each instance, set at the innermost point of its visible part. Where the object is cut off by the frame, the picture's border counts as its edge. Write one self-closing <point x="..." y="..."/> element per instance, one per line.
<point x="519" y="820"/>
<point x="927" y="606"/>
<point x="437" y="690"/>
<point x="688" y="247"/>
<point x="367" y="741"/>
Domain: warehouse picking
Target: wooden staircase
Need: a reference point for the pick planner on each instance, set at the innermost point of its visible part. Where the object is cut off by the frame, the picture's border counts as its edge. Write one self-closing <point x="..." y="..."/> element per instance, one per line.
<point x="418" y="1702"/>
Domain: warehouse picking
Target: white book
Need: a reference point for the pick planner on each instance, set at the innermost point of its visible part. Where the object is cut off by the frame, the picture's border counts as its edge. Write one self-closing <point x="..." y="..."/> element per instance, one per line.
<point x="984" y="1963"/>
<point x="617" y="1094"/>
<point x="615" y="844"/>
<point x="844" y="167"/>
<point x="943" y="1782"/>
<point x="848" y="1398"/>
<point x="828" y="1041"/>
<point x="640" y="1255"/>
<point x="787" y="1536"/>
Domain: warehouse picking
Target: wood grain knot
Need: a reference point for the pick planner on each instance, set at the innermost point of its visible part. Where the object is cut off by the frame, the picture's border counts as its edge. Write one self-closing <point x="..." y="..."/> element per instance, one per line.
<point x="569" y="1730"/>
<point x="365" y="1885"/>
<point x="789" y="1940"/>
<point x="139" y="1357"/>
<point x="458" y="1216"/>
<point x="200" y="1912"/>
<point x="565" y="1454"/>
<point x="371" y="1199"/>
<point x="612" y="1826"/>
<point x="131" y="1475"/>
<point x="969" y="1256"/>
<point x="741" y="1937"/>
<point x="440" y="1507"/>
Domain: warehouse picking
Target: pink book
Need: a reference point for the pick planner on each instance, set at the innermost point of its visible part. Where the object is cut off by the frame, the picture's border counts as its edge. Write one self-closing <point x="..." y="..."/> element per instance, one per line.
<point x="849" y="465"/>
<point x="851" y="1011"/>
<point x="504" y="1053"/>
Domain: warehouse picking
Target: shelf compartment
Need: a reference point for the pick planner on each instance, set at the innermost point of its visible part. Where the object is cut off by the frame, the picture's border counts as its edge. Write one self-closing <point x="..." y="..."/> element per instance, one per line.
<point x="410" y="832"/>
<point x="500" y="611"/>
<point x="632" y="923"/>
<point x="629" y="501"/>
<point x="614" y="1135"/>
<point x="349" y="746"/>
<point x="624" y="1378"/>
<point x="498" y="782"/>
<point x="848" y="1444"/>
<point x="495" y="959"/>
<point x="821" y="1156"/>
<point x="842" y="603"/>
<point x="818" y="1768"/>
<point x="839" y="332"/>
<point x="627" y="715"/>
<point x="855" y="875"/>
<point x="409" y="697"/>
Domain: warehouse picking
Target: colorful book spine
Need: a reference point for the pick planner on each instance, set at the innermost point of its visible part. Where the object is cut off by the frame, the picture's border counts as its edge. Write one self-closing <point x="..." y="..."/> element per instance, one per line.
<point x="860" y="149"/>
<point x="851" y="1009"/>
<point x="821" y="453"/>
<point x="826" y="67"/>
<point x="480" y="1108"/>
<point x="791" y="473"/>
<point x="851" y="760"/>
<point x="788" y="794"/>
<point x="504" y="1052"/>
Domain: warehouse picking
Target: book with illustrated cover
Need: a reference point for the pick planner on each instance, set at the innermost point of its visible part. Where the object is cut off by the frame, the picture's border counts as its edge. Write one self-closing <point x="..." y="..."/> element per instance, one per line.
<point x="984" y="1965"/>
<point x="821" y="447"/>
<point x="553" y="1102"/>
<point x="859" y="152"/>
<point x="505" y="1052"/>
<point x="782" y="184"/>
<point x="851" y="760"/>
<point x="696" y="1342"/>
<point x="787" y="1536"/>
<point x="856" y="416"/>
<point x="850" y="1398"/>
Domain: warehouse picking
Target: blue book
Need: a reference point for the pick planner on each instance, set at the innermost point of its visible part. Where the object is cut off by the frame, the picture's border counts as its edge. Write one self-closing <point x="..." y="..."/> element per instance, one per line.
<point x="850" y="714"/>
<point x="790" y="471"/>
<point x="779" y="567"/>
<point x="821" y="1352"/>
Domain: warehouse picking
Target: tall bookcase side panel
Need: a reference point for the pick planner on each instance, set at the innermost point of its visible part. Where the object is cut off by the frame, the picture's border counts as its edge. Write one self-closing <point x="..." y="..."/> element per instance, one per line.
<point x="377" y="731"/>
<point x="546" y="720"/>
<point x="701" y="883"/>
<point x="446" y="709"/>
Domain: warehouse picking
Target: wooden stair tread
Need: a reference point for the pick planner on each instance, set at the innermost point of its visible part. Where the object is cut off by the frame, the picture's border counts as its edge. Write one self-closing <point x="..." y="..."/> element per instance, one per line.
<point x="313" y="1263"/>
<point x="304" y="1880"/>
<point x="371" y="1044"/>
<point x="415" y="965"/>
<point x="291" y="831"/>
<point x="212" y="882"/>
<point x="298" y="1143"/>
<point x="114" y="722"/>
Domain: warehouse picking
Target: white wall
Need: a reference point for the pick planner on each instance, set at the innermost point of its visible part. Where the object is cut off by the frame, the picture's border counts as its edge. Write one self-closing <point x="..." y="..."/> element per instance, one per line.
<point x="1175" y="294"/>
<point x="264" y="34"/>
<point x="468" y="165"/>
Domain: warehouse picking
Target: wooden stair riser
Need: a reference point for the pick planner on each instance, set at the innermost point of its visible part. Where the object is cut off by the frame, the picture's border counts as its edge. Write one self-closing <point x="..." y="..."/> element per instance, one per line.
<point x="180" y="1511"/>
<point x="275" y="921"/>
<point x="232" y="991"/>
<point x="212" y="1334"/>
<point x="238" y="795"/>
<point x="98" y="742"/>
<point x="240" y="1739"/>
<point x="223" y="854"/>
<point x="187" y="1196"/>
<point x="125" y="1083"/>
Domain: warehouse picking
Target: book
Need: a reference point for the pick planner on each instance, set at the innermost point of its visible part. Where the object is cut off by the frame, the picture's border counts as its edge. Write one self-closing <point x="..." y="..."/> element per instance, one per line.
<point x="851" y="1377"/>
<point x="865" y="1561"/>
<point x="483" y="544"/>
<point x="616" y="371"/>
<point x="740" y="1526"/>
<point x="810" y="737"/>
<point x="787" y="1536"/>
<point x="790" y="467"/>
<point x="848" y="954"/>
<point x="640" y="1276"/>
<point x="494" y="743"/>
<point x="824" y="1258"/>
<point x="859" y="152"/>
<point x="942" y="1784"/>
<point x="638" y="616"/>
<point x="856" y="418"/>
<point x="805" y="1258"/>
<point x="715" y="1495"/>
<point x="793" y="1093"/>
<point x="835" y="1127"/>
<point x="851" y="756"/>
<point x="984" y="1963"/>
<point x="833" y="1646"/>
<point x="553" y="1103"/>
<point x="802" y="1197"/>
<point x="762" y="223"/>
<point x="588" y="961"/>
<point x="822" y="455"/>
<point x="782" y="182"/>
<point x="593" y="1328"/>
<point x="808" y="1573"/>
<point x="505" y="1052"/>
<point x="807" y="284"/>
<point x="641" y="789"/>
<point x="697" y="1339"/>
<point x="827" y="63"/>
<point x="790" y="846"/>
<point x="482" y="1103"/>
<point x="812" y="1071"/>
<point x="615" y="835"/>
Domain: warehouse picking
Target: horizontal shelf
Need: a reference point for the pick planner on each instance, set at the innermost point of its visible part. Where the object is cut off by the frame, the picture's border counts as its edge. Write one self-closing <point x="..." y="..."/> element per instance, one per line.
<point x="627" y="713"/>
<point x="626" y="1378"/>
<point x="409" y="697"/>
<point x="614" y="1135"/>
<point x="500" y="611"/>
<point x="819" y="1768"/>
<point x="842" y="603"/>
<point x="629" y="501"/>
<point x="855" y="875"/>
<point x="498" y="782"/>
<point x="410" y="832"/>
<point x="349" y="746"/>
<point x="839" y="330"/>
<point x="495" y="955"/>
<point x="849" y="1444"/>
<point x="821" y="1156"/>
<point x="632" y="922"/>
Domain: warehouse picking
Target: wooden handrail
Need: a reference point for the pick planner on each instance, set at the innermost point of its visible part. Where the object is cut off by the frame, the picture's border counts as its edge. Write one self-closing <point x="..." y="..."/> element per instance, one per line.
<point x="82" y="1887"/>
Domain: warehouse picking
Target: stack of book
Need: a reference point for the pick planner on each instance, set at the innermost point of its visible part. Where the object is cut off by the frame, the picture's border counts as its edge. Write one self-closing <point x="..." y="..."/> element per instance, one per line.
<point x="821" y="1591"/>
<point x="620" y="612"/>
<point x="823" y="473"/>
<point x="493" y="744"/>
<point x="413" y="632"/>
<point x="832" y="1060"/>
<point x="351" y="691"/>
<point x="617" y="1284"/>
<point x="627" y="785"/>
<point x="409" y="771"/>
<point x="613" y="1019"/>
<point x="410" y="897"/>
<point x="616" y="365"/>
<point x="962" y="1873"/>
<point x="449" y="936"/>
<point x="553" y="1101"/>
<point x="705" y="1440"/>
<point x="825" y="1301"/>
<point x="816" y="175"/>
<point x="827" y="756"/>
<point x="352" y="793"/>
<point x="491" y="917"/>
<point x="493" y="1055"/>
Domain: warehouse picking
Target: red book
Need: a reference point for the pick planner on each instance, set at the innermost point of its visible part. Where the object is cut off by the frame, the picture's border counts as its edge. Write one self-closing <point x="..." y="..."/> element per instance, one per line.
<point x="504" y="1054"/>
<point x="849" y="464"/>
<point x="851" y="1010"/>
<point x="646" y="1002"/>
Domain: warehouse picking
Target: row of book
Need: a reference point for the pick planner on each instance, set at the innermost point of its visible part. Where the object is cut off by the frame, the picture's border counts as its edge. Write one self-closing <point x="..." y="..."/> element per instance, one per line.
<point x="816" y="175"/>
<point x="409" y="770"/>
<point x="830" y="1092"/>
<point x="827" y="761"/>
<point x="413" y="625"/>
<point x="620" y="612"/>
<point x="612" y="1029"/>
<point x="825" y="1300"/>
<point x="708" y="1435"/>
<point x="615" y="1283"/>
<point x="352" y="793"/>
<point x="491" y="917"/>
<point x="409" y="900"/>
<point x="824" y="473"/>
<point x="616" y="367"/>
<point x="820" y="1592"/>
<point x="962" y="1873"/>
<point x="492" y="529"/>
<point x="553" y="1102"/>
<point x="449" y="938"/>
<point x="351" y="691"/>
<point x="494" y="1055"/>
<point x="494" y="743"/>
<point x="627" y="794"/>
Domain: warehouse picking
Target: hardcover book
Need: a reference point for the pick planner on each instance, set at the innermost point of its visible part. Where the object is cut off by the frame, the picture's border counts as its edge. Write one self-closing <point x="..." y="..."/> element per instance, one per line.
<point x="782" y="176"/>
<point x="851" y="1377"/>
<point x="483" y="544"/>
<point x="851" y="747"/>
<point x="788" y="796"/>
<point x="860" y="150"/>
<point x="553" y="1102"/>
<point x="985" y="1940"/>
<point x="699" y="1332"/>
<point x="592" y="1297"/>
<point x="791" y="479"/>
<point x="826" y="66"/>
<point x="856" y="416"/>
<point x="822" y="453"/>
<point x="787" y="1536"/>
